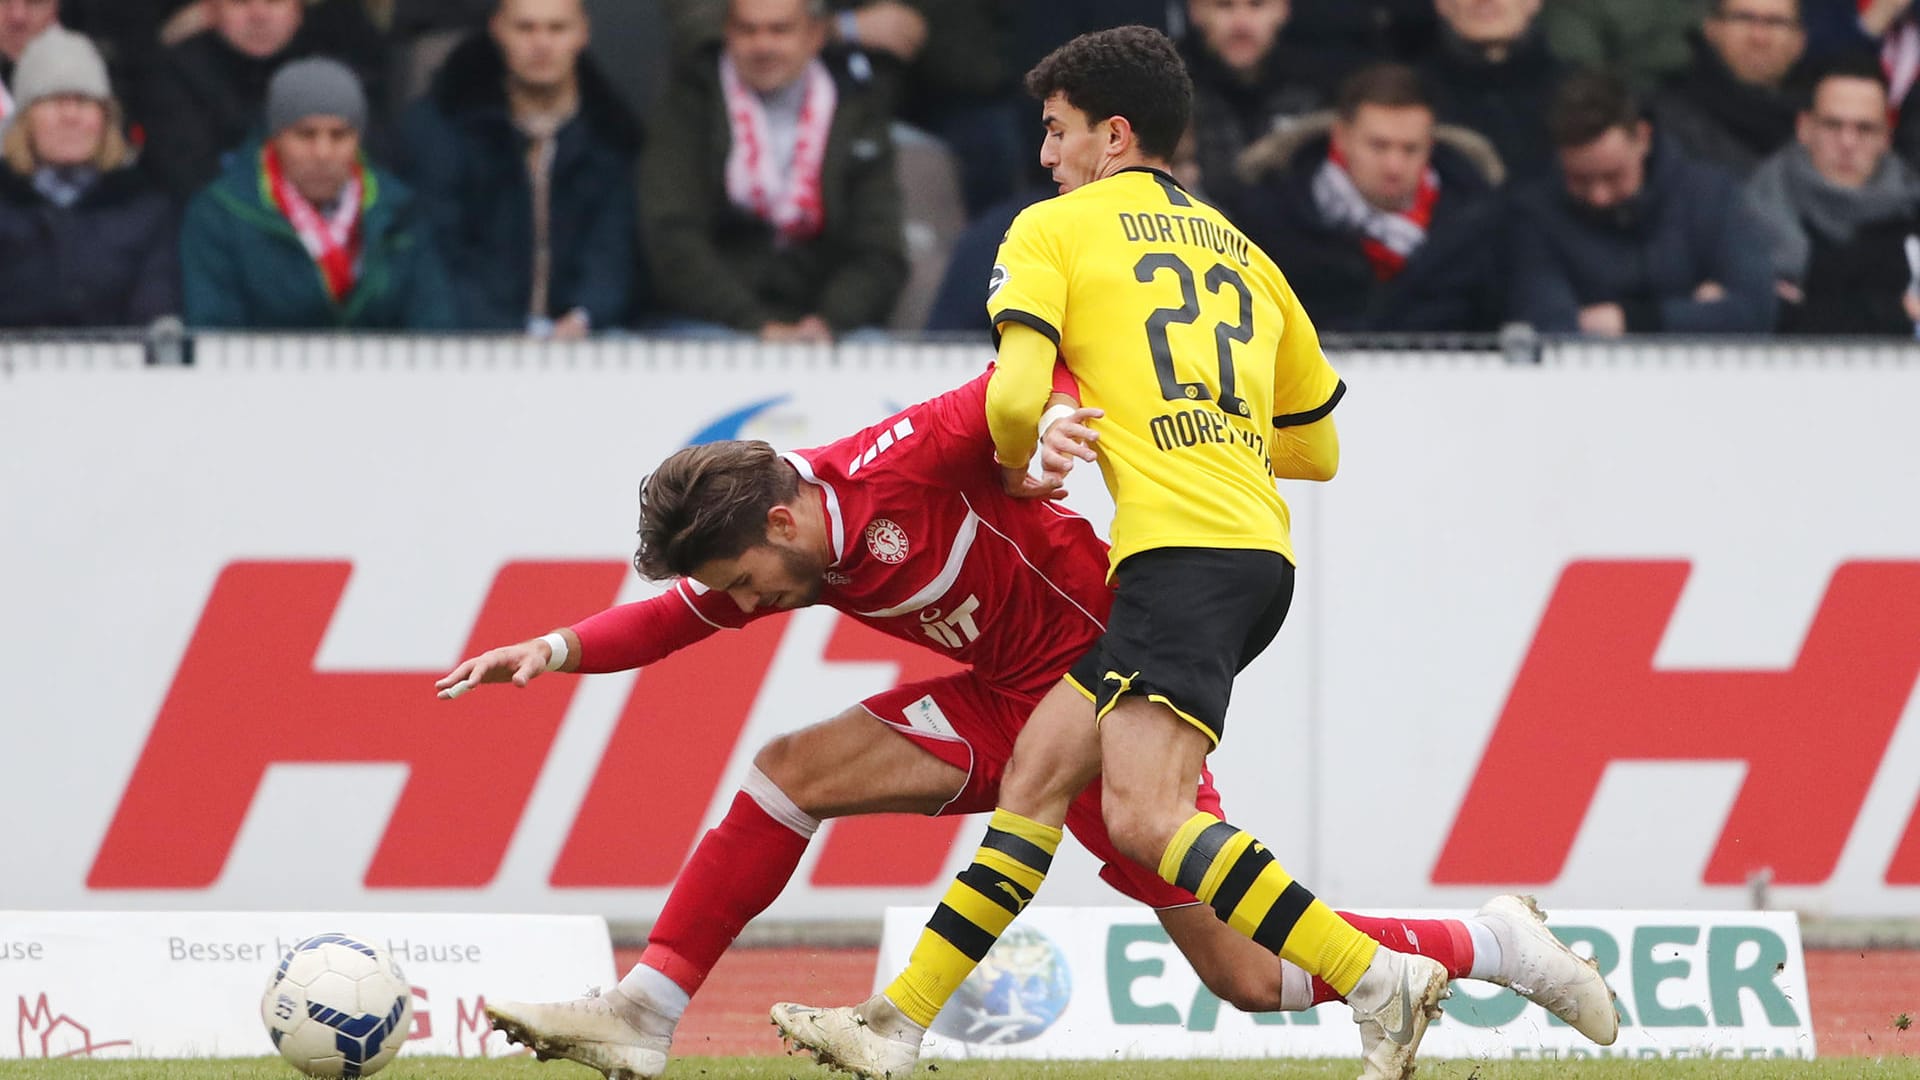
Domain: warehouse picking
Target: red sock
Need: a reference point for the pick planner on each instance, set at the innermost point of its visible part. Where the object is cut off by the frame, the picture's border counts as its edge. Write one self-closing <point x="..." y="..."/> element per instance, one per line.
<point x="739" y="868"/>
<point x="1445" y="940"/>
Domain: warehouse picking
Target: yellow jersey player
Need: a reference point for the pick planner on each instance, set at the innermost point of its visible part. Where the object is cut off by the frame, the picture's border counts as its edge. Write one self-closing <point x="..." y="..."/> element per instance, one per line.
<point x="1204" y="380"/>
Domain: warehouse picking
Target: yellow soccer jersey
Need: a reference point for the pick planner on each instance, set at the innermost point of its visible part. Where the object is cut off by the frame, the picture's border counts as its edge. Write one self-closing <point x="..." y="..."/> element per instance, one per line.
<point x="1186" y="335"/>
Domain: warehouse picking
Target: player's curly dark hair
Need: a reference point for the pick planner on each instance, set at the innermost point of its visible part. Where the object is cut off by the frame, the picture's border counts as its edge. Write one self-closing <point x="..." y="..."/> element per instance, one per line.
<point x="709" y="502"/>
<point x="1130" y="71"/>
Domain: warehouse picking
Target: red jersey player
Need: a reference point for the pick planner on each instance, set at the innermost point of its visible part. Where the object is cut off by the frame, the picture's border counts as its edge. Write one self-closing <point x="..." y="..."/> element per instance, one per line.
<point x="903" y="526"/>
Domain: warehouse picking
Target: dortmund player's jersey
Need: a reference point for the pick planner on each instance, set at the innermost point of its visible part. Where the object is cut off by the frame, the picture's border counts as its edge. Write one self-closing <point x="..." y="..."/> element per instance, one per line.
<point x="1191" y="341"/>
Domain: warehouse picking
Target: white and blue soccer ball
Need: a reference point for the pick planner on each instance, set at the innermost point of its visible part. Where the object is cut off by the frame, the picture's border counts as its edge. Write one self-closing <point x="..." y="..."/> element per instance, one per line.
<point x="337" y="1007"/>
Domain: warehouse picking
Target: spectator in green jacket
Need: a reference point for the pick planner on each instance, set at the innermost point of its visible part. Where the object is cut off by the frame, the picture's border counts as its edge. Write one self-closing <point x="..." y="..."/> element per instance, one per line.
<point x="767" y="190"/>
<point x="1642" y="41"/>
<point x="302" y="232"/>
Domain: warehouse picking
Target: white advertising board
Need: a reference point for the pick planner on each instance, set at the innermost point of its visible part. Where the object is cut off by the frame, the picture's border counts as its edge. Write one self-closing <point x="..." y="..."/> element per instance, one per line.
<point x="1585" y="630"/>
<point x="188" y="984"/>
<point x="1104" y="982"/>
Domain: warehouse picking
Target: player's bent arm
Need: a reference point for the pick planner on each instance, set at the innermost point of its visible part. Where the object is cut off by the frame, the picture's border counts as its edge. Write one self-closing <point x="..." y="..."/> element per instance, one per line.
<point x="1018" y="391"/>
<point x="1307" y="451"/>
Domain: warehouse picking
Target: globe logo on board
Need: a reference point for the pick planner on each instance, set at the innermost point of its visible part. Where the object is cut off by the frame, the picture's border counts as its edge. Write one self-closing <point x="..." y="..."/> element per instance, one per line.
<point x="1015" y="994"/>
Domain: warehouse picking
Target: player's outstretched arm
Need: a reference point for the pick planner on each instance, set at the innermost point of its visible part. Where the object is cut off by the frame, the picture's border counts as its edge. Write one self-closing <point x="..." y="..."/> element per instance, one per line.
<point x="1017" y="392"/>
<point x="519" y="664"/>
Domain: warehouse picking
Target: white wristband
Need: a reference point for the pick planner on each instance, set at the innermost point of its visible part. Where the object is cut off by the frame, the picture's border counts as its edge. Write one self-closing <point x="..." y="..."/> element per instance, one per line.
<point x="1054" y="413"/>
<point x="558" y="643"/>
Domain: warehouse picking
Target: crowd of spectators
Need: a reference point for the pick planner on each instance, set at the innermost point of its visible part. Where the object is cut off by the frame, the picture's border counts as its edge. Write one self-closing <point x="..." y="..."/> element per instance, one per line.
<point x="560" y="168"/>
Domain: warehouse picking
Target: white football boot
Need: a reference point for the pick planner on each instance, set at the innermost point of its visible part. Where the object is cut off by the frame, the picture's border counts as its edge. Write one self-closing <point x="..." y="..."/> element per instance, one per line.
<point x="1390" y="1032"/>
<point x="591" y="1031"/>
<point x="873" y="1040"/>
<point x="1539" y="967"/>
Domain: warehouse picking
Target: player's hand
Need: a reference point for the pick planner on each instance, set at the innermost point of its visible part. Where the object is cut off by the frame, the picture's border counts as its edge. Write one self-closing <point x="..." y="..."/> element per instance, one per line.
<point x="519" y="664"/>
<point x="1603" y="320"/>
<point x="1022" y="484"/>
<point x="1069" y="438"/>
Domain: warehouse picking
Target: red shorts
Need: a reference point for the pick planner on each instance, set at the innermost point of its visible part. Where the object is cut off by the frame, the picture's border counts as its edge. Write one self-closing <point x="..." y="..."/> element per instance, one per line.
<point x="968" y="724"/>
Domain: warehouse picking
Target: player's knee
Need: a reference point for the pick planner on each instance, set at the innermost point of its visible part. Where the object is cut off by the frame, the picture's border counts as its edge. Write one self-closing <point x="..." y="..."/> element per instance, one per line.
<point x="780" y="761"/>
<point x="1134" y="830"/>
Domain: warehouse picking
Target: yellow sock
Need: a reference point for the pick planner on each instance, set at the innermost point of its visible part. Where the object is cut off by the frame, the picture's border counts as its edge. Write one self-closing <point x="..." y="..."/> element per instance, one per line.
<point x="1234" y="873"/>
<point x="1005" y="873"/>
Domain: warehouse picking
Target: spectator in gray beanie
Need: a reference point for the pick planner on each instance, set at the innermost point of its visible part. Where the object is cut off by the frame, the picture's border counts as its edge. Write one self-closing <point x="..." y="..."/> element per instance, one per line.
<point x="85" y="239"/>
<point x="1840" y="210"/>
<point x="303" y="232"/>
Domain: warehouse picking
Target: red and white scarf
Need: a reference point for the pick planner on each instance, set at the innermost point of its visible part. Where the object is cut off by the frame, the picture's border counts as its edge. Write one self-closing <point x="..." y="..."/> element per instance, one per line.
<point x="784" y="195"/>
<point x="333" y="241"/>
<point x="1388" y="237"/>
<point x="1899" y="58"/>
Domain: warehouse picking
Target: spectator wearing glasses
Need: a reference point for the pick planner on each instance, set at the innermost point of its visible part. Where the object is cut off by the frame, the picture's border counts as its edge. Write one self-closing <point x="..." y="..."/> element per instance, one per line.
<point x="1733" y="106"/>
<point x="1840" y="212"/>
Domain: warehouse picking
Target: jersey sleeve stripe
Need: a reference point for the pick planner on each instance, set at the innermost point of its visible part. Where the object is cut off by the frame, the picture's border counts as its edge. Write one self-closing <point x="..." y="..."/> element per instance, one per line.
<point x="1024" y="318"/>
<point x="1301" y="419"/>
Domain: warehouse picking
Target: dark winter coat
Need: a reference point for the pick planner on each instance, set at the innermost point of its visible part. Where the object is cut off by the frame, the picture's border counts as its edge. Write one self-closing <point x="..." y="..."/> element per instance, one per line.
<point x="1716" y="118"/>
<point x="715" y="262"/>
<point x="204" y="99"/>
<point x="1326" y="264"/>
<point x="1230" y="114"/>
<point x="1504" y="101"/>
<point x="468" y="163"/>
<point x="111" y="259"/>
<point x="1687" y="226"/>
<point x="243" y="266"/>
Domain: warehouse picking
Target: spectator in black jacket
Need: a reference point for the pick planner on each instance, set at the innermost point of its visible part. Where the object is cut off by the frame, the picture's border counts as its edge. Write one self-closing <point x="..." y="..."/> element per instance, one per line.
<point x="1246" y="83"/>
<point x="524" y="157"/>
<point x="1492" y="72"/>
<point x="1734" y="105"/>
<point x="1840" y="211"/>
<point x="205" y="95"/>
<point x="1346" y="200"/>
<point x="1633" y="237"/>
<point x="84" y="239"/>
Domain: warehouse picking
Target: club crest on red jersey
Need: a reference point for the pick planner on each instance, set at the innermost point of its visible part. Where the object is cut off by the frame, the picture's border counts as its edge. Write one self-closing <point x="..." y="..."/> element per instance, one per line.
<point x="887" y="541"/>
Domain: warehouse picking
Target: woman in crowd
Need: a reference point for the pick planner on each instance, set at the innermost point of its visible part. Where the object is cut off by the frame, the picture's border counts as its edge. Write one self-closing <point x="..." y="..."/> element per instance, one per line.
<point x="85" y="240"/>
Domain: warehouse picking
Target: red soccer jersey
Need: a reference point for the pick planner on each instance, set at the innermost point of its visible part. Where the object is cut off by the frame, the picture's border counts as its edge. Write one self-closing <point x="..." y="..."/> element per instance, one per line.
<point x="928" y="549"/>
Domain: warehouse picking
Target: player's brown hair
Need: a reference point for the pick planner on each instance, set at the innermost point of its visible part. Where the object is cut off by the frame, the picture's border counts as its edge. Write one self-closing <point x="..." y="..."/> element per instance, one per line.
<point x="709" y="502"/>
<point x="1388" y="86"/>
<point x="1130" y="71"/>
<point x="1588" y="105"/>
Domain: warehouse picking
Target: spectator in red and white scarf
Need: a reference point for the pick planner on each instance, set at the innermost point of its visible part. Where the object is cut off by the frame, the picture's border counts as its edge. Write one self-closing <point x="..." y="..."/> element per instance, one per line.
<point x="768" y="195"/>
<point x="1346" y="200"/>
<point x="303" y="232"/>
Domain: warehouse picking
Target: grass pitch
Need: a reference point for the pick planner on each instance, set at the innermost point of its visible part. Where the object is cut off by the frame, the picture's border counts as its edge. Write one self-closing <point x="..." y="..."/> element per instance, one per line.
<point x="795" y="1068"/>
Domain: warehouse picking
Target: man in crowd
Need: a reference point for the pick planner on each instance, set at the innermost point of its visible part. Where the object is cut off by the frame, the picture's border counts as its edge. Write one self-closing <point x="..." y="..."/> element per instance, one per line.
<point x="1246" y="83"/>
<point x="1632" y="237"/>
<point x="1735" y="105"/>
<point x="1349" y="202"/>
<point x="1491" y="72"/>
<point x="523" y="156"/>
<point x="20" y="22"/>
<point x="1840" y="212"/>
<point x="301" y="232"/>
<point x="767" y="191"/>
<point x="203" y="98"/>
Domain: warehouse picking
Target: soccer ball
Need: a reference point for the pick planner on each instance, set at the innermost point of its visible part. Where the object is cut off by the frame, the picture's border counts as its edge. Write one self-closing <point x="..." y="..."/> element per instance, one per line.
<point x="337" y="1007"/>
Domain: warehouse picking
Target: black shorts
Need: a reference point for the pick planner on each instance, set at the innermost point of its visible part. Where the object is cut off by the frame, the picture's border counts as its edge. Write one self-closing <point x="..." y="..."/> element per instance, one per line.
<point x="1185" y="621"/>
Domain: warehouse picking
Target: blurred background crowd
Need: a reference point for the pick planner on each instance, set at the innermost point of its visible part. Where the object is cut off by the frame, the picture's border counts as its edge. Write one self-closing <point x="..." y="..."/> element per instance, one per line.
<point x="808" y="169"/>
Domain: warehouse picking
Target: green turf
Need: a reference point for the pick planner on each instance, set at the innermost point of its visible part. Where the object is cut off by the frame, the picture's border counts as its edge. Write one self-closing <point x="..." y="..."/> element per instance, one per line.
<point x="799" y="1069"/>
